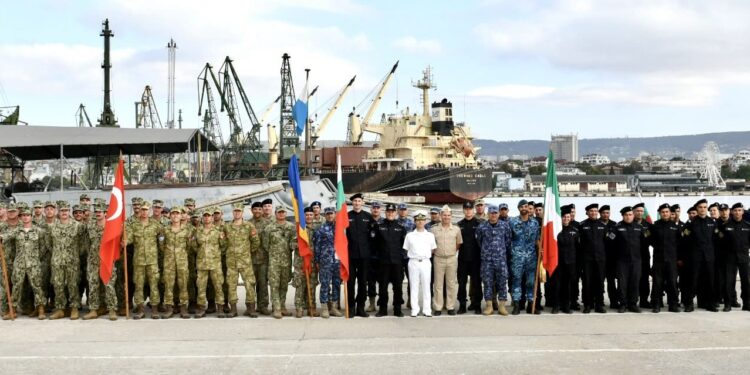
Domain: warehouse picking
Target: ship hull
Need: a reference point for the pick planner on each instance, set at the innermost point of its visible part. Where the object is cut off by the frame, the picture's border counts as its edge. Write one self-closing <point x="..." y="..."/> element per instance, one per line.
<point x="442" y="185"/>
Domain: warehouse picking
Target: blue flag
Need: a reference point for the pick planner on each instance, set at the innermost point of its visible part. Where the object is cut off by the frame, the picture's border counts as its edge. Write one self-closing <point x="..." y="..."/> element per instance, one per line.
<point x="299" y="111"/>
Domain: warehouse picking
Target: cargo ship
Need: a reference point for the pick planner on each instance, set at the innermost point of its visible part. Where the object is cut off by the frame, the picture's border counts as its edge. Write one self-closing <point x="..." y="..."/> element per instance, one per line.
<point x="425" y="154"/>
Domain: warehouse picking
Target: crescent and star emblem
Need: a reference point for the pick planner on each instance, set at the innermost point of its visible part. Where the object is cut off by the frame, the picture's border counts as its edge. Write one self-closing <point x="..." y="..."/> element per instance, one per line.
<point x="117" y="194"/>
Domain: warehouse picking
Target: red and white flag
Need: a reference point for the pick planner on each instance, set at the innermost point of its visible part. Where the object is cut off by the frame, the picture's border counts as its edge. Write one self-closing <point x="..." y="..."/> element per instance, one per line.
<point x="552" y="220"/>
<point x="109" y="249"/>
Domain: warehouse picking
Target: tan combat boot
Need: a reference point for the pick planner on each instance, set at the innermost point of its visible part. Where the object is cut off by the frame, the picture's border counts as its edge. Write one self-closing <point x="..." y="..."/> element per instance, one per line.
<point x="371" y="305"/>
<point x="74" y="313"/>
<point x="333" y="310"/>
<point x="277" y="314"/>
<point x="300" y="313"/>
<point x="139" y="314"/>
<point x="285" y="312"/>
<point x="251" y="310"/>
<point x="58" y="314"/>
<point x="9" y="315"/>
<point x="324" y="311"/>
<point x="113" y="314"/>
<point x="200" y="311"/>
<point x="220" y="311"/>
<point x="488" y="309"/>
<point x="34" y="313"/>
<point x="184" y="312"/>
<point x="265" y="311"/>
<point x="315" y="312"/>
<point x="232" y="310"/>
<point x="501" y="308"/>
<point x="41" y="315"/>
<point x="93" y="314"/>
<point x="168" y="312"/>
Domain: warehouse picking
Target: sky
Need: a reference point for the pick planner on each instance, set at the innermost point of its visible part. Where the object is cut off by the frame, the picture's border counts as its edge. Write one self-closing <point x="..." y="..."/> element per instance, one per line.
<point x="514" y="70"/>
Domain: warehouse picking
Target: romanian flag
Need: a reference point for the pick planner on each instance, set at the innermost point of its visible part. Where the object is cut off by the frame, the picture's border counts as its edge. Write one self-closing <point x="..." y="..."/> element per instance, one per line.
<point x="340" y="243"/>
<point x="303" y="243"/>
<point x="109" y="249"/>
<point x="552" y="219"/>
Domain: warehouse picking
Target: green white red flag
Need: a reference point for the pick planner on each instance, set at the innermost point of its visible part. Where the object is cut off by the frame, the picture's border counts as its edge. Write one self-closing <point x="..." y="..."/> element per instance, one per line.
<point x="552" y="219"/>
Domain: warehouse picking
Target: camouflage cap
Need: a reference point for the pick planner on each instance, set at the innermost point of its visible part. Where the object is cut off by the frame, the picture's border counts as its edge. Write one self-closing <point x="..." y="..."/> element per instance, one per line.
<point x="280" y="209"/>
<point x="38" y="204"/>
<point x="22" y="205"/>
<point x="145" y="205"/>
<point x="238" y="206"/>
<point x="100" y="201"/>
<point x="50" y="204"/>
<point x="24" y="211"/>
<point x="63" y="205"/>
<point x="179" y="209"/>
<point x="157" y="203"/>
<point x="189" y="202"/>
<point x="85" y="207"/>
<point x="217" y="210"/>
<point x="60" y="202"/>
<point x="479" y="202"/>
<point x="84" y="196"/>
<point x="195" y="213"/>
<point x="206" y="212"/>
<point x="3" y="205"/>
<point x="136" y="201"/>
<point x="12" y="207"/>
<point x="77" y="208"/>
<point x="100" y="208"/>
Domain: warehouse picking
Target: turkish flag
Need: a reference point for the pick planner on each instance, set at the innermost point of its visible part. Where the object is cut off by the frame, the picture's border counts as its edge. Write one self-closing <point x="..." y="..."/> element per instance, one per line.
<point x="109" y="249"/>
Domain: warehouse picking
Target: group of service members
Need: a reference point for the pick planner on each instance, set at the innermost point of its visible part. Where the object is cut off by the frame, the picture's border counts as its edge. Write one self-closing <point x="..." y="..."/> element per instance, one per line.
<point x="185" y="261"/>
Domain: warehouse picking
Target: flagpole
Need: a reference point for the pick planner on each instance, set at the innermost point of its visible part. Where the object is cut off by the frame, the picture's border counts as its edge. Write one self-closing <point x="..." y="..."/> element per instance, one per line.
<point x="125" y="255"/>
<point x="12" y="311"/>
<point x="536" y="276"/>
<point x="308" y="142"/>
<point x="309" y="294"/>
<point x="346" y="297"/>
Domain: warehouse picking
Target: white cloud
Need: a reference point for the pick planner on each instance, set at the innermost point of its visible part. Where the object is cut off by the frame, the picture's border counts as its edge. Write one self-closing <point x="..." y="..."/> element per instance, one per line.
<point x="513" y="91"/>
<point x="665" y="52"/>
<point x="411" y="44"/>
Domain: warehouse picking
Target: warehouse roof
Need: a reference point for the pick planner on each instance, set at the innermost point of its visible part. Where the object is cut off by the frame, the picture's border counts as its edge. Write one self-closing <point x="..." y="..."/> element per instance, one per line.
<point x="44" y="142"/>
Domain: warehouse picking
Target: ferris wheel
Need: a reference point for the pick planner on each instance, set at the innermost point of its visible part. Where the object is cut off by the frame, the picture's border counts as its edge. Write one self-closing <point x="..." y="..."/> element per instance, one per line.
<point x="711" y="170"/>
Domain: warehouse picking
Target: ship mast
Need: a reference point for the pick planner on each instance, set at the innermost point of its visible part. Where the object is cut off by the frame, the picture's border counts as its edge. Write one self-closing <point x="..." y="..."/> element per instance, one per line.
<point x="426" y="83"/>
<point x="108" y="117"/>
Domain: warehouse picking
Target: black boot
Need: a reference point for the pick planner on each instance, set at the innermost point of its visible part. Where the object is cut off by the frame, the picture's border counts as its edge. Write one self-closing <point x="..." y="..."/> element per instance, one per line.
<point x="462" y="309"/>
<point x="361" y="312"/>
<point x="516" y="308"/>
<point x="397" y="312"/>
<point x="382" y="312"/>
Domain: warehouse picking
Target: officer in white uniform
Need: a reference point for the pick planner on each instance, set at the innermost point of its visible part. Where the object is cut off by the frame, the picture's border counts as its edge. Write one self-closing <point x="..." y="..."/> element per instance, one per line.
<point x="419" y="245"/>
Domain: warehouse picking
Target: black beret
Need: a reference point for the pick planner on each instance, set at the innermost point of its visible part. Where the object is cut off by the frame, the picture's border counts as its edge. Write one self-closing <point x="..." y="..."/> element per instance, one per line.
<point x="738" y="205"/>
<point x="573" y="206"/>
<point x="308" y="209"/>
<point x="539" y="205"/>
<point x="604" y="208"/>
<point x="640" y="205"/>
<point x="663" y="206"/>
<point x="355" y="196"/>
<point x="256" y="204"/>
<point x="267" y="201"/>
<point x="592" y="205"/>
<point x="468" y="205"/>
<point x="675" y="207"/>
<point x="701" y="201"/>
<point x="564" y="210"/>
<point x="531" y="203"/>
<point x="715" y="204"/>
<point x="316" y="203"/>
<point x="625" y="209"/>
<point x="692" y="208"/>
<point x="724" y="206"/>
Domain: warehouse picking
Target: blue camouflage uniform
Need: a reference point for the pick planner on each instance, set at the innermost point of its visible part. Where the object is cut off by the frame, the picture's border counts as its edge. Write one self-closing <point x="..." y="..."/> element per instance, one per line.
<point x="407" y="223"/>
<point x="523" y="256"/>
<point x="330" y="267"/>
<point x="494" y="242"/>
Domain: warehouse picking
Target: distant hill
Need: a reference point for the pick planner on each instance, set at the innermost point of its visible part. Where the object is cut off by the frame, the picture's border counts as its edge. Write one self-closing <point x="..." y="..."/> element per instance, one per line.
<point x="615" y="148"/>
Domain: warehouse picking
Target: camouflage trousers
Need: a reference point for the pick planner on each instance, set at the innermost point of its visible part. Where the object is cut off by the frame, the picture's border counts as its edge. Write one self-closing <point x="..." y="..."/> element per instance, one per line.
<point x="217" y="279"/>
<point x="495" y="278"/>
<point x="299" y="282"/>
<point x="3" y="297"/>
<point x="179" y="276"/>
<point x="65" y="281"/>
<point x="260" y="270"/>
<point x="34" y="275"/>
<point x="140" y="273"/>
<point x="523" y="271"/>
<point x="279" y="275"/>
<point x="192" y="279"/>
<point x="98" y="292"/>
<point x="248" y="277"/>
<point x="330" y="282"/>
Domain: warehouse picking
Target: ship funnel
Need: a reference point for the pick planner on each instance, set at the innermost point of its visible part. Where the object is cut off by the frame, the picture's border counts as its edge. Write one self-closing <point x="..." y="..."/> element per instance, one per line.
<point x="442" y="118"/>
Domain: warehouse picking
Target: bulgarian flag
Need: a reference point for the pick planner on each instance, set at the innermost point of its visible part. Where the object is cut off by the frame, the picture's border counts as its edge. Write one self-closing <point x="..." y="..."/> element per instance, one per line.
<point x="552" y="221"/>
<point x="340" y="242"/>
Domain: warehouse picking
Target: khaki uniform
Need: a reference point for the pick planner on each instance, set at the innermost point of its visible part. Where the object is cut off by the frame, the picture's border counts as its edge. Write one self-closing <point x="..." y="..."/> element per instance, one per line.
<point x="145" y="238"/>
<point x="177" y="248"/>
<point x="210" y="241"/>
<point x="445" y="264"/>
<point x="242" y="243"/>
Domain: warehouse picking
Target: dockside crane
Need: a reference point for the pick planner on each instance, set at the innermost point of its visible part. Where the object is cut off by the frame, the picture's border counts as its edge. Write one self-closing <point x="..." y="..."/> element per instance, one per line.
<point x="82" y="117"/>
<point x="146" y="114"/>
<point x="211" y="123"/>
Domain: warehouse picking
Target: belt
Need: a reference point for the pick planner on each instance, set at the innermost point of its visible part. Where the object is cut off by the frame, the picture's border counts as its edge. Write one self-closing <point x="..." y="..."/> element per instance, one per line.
<point x="418" y="259"/>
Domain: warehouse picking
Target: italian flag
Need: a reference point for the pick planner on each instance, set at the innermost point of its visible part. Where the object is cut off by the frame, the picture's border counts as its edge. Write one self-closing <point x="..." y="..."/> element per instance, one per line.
<point x="340" y="243"/>
<point x="552" y="221"/>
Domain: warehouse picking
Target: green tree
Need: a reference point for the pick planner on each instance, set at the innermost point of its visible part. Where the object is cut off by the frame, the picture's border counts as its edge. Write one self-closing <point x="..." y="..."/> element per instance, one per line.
<point x="537" y="170"/>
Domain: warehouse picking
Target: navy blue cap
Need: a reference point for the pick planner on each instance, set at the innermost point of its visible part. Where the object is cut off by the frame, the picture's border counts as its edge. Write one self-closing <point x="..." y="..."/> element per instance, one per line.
<point x="402" y="206"/>
<point x="434" y="210"/>
<point x="522" y="202"/>
<point x="502" y="206"/>
<point x="375" y="204"/>
<point x="329" y="210"/>
<point x="494" y="209"/>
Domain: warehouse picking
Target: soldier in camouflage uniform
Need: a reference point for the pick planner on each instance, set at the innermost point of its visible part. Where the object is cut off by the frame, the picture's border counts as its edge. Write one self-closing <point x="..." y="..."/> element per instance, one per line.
<point x="243" y="243"/>
<point x="10" y="224"/>
<point x="525" y="233"/>
<point x="329" y="267"/>
<point x="260" y="261"/>
<point x="494" y="237"/>
<point x="29" y="243"/>
<point x="157" y="213"/>
<point x="218" y="218"/>
<point x="299" y="281"/>
<point x="210" y="240"/>
<point x="280" y="238"/>
<point x="38" y="214"/>
<point x="193" y="220"/>
<point x="82" y="283"/>
<point x="50" y="217"/>
<point x="145" y="233"/>
<point x="177" y="248"/>
<point x="3" y="212"/>
<point x="121" y="297"/>
<point x="99" y="294"/>
<point x="67" y="240"/>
